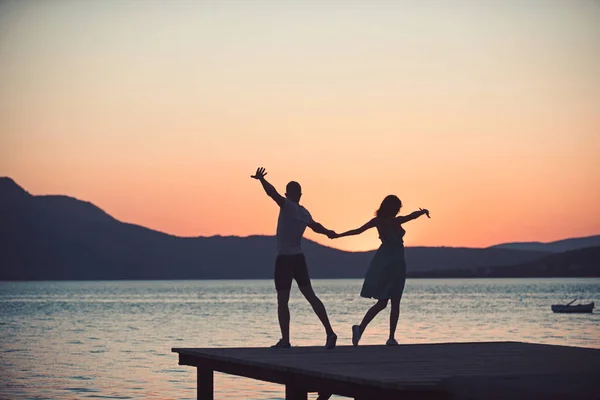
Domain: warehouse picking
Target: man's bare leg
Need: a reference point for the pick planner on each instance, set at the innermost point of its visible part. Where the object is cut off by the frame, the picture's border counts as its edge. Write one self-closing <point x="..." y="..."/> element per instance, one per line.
<point x="318" y="307"/>
<point x="283" y="314"/>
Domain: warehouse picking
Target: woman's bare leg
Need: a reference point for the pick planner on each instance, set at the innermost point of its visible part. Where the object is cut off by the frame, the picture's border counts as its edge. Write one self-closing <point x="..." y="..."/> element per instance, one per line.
<point x="372" y="313"/>
<point x="394" y="315"/>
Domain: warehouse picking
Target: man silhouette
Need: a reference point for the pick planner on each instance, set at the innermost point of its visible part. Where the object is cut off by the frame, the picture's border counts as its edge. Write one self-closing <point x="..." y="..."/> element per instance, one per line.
<point x="290" y="262"/>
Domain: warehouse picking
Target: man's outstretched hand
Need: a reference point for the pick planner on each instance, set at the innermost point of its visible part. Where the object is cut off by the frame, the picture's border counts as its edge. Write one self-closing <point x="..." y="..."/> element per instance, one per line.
<point x="332" y="235"/>
<point x="260" y="173"/>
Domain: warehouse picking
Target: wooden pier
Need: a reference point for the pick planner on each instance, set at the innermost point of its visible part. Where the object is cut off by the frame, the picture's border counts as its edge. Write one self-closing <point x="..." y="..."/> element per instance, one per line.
<point x="486" y="370"/>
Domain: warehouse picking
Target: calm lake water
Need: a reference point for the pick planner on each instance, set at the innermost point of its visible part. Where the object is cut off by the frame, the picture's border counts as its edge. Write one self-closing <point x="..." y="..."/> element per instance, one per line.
<point x="113" y="340"/>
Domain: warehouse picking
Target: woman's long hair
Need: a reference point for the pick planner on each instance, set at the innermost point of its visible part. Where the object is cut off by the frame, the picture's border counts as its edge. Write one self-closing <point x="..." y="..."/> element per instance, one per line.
<point x="389" y="207"/>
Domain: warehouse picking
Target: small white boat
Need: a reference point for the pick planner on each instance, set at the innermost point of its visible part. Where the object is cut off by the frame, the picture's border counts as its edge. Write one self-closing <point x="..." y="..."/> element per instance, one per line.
<point x="573" y="308"/>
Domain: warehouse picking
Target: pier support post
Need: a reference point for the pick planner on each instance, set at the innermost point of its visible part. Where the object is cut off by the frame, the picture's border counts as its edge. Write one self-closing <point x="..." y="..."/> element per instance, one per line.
<point x="205" y="388"/>
<point x="294" y="393"/>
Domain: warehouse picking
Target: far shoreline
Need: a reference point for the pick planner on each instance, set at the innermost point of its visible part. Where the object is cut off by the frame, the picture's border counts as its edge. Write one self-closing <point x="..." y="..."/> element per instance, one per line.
<point x="313" y="279"/>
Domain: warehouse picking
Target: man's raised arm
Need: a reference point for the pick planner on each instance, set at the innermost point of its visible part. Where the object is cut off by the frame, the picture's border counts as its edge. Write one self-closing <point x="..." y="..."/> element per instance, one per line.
<point x="269" y="189"/>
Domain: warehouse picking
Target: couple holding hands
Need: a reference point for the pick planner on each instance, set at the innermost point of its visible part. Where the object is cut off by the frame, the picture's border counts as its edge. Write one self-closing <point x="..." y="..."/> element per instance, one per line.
<point x="384" y="280"/>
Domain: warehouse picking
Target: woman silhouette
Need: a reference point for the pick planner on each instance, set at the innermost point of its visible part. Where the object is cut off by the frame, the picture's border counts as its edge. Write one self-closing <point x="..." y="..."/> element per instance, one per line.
<point x="386" y="275"/>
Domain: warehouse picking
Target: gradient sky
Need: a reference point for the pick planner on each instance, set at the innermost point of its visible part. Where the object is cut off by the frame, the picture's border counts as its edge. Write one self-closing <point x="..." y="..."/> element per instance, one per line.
<point x="485" y="112"/>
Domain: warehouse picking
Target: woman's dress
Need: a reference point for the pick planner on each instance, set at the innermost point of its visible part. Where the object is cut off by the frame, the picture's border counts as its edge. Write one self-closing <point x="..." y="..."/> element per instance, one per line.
<point x="386" y="275"/>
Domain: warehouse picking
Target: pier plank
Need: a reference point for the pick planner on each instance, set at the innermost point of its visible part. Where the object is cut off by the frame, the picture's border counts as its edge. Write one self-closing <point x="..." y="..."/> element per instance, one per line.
<point x="441" y="370"/>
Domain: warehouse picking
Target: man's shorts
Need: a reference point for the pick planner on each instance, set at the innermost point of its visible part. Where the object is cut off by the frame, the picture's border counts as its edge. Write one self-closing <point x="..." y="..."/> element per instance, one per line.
<point x="289" y="267"/>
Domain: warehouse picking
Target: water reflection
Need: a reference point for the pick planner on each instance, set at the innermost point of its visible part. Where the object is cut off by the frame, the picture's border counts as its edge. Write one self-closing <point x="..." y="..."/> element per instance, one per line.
<point x="65" y="340"/>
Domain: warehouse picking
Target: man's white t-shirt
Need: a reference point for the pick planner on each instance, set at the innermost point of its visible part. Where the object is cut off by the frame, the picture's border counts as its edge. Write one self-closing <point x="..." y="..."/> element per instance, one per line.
<point x="292" y="222"/>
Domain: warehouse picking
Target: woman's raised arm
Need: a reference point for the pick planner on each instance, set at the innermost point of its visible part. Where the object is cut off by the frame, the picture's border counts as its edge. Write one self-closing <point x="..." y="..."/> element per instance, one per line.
<point x="414" y="215"/>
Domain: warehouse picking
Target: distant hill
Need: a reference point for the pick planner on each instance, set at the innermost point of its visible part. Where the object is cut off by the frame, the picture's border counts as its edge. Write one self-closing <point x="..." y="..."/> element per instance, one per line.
<point x="555" y="247"/>
<point x="574" y="263"/>
<point x="60" y="237"/>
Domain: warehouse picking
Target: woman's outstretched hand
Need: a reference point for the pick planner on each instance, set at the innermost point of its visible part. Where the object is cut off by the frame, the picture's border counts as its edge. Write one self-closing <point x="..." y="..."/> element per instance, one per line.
<point x="333" y="235"/>
<point x="425" y="211"/>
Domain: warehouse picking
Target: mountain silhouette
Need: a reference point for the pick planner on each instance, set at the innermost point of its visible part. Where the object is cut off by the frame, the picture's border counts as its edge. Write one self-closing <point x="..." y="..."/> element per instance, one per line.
<point x="555" y="247"/>
<point x="573" y="263"/>
<point x="63" y="238"/>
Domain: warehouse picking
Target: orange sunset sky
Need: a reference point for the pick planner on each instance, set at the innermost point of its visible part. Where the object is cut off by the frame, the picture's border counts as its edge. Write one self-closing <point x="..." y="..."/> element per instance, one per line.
<point x="485" y="112"/>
